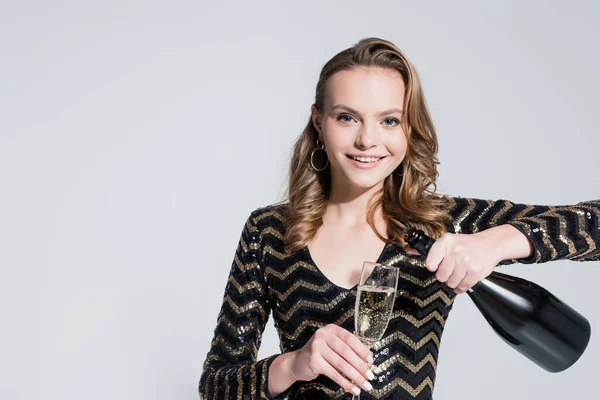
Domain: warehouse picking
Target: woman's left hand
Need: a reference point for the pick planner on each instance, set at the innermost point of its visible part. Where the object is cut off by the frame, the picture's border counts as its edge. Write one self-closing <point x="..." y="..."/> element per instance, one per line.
<point x="461" y="260"/>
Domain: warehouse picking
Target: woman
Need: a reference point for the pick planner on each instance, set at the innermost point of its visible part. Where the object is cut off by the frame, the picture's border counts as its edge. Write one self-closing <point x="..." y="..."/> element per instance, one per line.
<point x="360" y="176"/>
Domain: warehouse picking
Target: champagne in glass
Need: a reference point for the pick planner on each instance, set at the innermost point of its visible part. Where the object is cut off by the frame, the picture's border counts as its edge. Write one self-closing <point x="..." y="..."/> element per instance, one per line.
<point x="375" y="296"/>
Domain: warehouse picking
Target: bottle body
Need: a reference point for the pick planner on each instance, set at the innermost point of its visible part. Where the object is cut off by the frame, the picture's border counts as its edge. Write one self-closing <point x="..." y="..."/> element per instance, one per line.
<point x="525" y="315"/>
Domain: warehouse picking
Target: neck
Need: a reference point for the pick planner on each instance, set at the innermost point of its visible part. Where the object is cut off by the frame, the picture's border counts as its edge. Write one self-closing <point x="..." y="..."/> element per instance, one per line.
<point x="348" y="205"/>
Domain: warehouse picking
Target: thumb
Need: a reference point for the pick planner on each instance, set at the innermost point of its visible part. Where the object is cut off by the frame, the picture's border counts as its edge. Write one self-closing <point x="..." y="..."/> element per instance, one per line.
<point x="409" y="249"/>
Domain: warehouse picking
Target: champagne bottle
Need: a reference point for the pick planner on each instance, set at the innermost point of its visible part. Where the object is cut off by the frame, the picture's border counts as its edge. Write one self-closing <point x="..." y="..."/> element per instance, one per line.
<point x="525" y="315"/>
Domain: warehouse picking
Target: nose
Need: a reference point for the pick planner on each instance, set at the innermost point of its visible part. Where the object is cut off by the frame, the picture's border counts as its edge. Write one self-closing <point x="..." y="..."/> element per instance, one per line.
<point x="367" y="137"/>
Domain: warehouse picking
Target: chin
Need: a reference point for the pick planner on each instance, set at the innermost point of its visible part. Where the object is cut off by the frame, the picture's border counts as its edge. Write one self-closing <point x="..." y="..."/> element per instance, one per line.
<point x="365" y="182"/>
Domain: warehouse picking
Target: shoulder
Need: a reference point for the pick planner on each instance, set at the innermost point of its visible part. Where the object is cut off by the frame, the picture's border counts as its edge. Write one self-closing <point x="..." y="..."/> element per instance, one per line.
<point x="268" y="223"/>
<point x="270" y="216"/>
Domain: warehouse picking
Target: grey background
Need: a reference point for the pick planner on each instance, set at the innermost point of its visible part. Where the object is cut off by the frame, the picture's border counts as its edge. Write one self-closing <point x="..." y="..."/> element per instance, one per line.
<point x="137" y="136"/>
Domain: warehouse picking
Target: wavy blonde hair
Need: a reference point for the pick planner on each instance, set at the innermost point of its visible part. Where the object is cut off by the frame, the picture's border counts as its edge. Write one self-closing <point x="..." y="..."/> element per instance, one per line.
<point x="405" y="200"/>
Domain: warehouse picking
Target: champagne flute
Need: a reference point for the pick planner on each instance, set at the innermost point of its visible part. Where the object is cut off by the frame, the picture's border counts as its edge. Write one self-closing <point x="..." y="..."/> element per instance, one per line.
<point x="375" y="296"/>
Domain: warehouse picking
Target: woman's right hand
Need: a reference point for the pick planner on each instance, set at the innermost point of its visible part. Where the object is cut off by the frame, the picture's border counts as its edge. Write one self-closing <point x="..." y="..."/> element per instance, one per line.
<point x="338" y="354"/>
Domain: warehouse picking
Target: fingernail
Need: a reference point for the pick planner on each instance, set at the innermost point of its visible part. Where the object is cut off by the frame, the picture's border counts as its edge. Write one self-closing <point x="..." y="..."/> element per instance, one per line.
<point x="370" y="359"/>
<point x="367" y="385"/>
<point x="356" y="390"/>
<point x="370" y="375"/>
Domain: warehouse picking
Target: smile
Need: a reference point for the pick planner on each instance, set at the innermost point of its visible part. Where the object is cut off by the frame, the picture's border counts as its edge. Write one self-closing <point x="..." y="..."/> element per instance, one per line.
<point x="365" y="162"/>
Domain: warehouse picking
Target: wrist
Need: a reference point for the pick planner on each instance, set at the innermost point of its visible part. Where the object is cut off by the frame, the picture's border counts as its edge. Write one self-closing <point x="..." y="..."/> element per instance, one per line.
<point x="281" y="373"/>
<point x="507" y="242"/>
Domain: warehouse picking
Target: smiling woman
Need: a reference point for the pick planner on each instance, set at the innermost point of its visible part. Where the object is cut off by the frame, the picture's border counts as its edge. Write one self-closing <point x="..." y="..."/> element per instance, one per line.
<point x="363" y="172"/>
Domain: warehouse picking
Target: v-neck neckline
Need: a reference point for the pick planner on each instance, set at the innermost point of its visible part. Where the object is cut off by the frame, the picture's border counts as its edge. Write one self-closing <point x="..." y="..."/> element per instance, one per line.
<point x="353" y="288"/>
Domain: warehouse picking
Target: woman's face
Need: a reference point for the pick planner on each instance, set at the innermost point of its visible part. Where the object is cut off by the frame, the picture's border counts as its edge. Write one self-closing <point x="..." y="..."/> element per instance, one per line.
<point x="361" y="117"/>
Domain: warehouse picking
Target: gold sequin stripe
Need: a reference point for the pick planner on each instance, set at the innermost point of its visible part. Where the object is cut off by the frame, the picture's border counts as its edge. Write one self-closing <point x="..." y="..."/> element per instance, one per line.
<point x="562" y="223"/>
<point x="254" y="304"/>
<point x="241" y="289"/>
<point x="253" y="379"/>
<point x="417" y="323"/>
<point x="331" y="394"/>
<point x="406" y="276"/>
<point x="271" y="231"/>
<point x="263" y="378"/>
<point x="397" y="335"/>
<point x="507" y="206"/>
<point x="238" y="330"/>
<point x="398" y="358"/>
<point x="314" y="305"/>
<point x="464" y="214"/>
<point x="475" y="224"/>
<point x="243" y="245"/>
<point x="240" y="383"/>
<point x="414" y="392"/>
<point x="301" y="283"/>
<point x="405" y="259"/>
<point x="289" y="270"/>
<point x="440" y="294"/>
<point x="377" y="393"/>
<point x="542" y="228"/>
<point x="253" y="349"/>
<point x="345" y="317"/>
<point x="266" y="214"/>
<point x="276" y="253"/>
<point x="316" y="324"/>
<point x="524" y="212"/>
<point x="591" y="244"/>
<point x="245" y="267"/>
<point x="258" y="284"/>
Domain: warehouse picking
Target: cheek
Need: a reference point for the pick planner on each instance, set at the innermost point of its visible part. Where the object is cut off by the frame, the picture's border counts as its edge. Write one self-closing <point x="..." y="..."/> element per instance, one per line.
<point x="397" y="145"/>
<point x="338" y="138"/>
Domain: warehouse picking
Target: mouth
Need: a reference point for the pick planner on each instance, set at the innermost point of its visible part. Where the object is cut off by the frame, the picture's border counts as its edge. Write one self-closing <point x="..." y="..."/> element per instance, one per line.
<point x="365" y="162"/>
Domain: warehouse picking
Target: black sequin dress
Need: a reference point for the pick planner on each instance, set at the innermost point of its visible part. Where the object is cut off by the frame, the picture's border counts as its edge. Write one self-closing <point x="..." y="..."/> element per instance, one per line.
<point x="264" y="280"/>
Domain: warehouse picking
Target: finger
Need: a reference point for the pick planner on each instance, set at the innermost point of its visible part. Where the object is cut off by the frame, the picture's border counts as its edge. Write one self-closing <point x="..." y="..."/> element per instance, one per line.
<point x="410" y="250"/>
<point x="468" y="281"/>
<point x="446" y="268"/>
<point x="351" y="340"/>
<point x="338" y="378"/>
<point x="460" y="271"/>
<point x="359" y="367"/>
<point x="436" y="254"/>
<point x="339" y="362"/>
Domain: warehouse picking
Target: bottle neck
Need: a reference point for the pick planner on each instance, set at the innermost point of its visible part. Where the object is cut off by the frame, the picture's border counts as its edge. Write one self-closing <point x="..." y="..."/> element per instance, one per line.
<point x="418" y="240"/>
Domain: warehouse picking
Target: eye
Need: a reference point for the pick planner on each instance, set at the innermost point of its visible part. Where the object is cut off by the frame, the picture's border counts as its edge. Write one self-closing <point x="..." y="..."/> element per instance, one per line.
<point x="391" y="121"/>
<point x="345" y="118"/>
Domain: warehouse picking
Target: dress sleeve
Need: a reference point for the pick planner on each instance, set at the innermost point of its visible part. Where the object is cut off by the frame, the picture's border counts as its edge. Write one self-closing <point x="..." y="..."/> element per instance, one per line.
<point x="556" y="232"/>
<point x="231" y="370"/>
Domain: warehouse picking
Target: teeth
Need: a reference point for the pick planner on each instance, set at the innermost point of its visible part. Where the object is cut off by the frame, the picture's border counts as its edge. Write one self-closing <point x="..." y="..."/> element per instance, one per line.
<point x="366" y="159"/>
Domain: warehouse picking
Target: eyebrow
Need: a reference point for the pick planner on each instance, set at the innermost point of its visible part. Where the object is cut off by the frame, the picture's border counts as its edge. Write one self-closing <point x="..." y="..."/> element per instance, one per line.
<point x="350" y="109"/>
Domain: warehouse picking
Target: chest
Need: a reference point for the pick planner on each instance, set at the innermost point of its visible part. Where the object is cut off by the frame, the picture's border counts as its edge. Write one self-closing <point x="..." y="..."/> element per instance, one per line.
<point x="340" y="257"/>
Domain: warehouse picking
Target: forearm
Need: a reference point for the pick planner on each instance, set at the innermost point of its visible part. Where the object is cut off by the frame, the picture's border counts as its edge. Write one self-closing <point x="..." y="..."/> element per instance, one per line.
<point x="280" y="374"/>
<point x="508" y="242"/>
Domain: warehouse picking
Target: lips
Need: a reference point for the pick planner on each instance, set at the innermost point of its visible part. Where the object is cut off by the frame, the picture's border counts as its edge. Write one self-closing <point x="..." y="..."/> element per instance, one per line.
<point x="351" y="157"/>
<point x="365" y="165"/>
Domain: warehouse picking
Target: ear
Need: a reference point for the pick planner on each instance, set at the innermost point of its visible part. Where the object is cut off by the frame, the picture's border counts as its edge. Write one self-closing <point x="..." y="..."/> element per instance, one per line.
<point x="316" y="119"/>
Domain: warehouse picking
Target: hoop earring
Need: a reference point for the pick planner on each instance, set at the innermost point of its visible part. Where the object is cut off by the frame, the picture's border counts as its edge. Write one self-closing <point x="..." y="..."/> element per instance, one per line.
<point x="320" y="146"/>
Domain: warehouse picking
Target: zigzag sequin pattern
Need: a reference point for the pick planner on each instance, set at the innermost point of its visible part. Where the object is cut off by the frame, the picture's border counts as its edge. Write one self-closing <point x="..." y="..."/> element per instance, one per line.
<point x="265" y="282"/>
